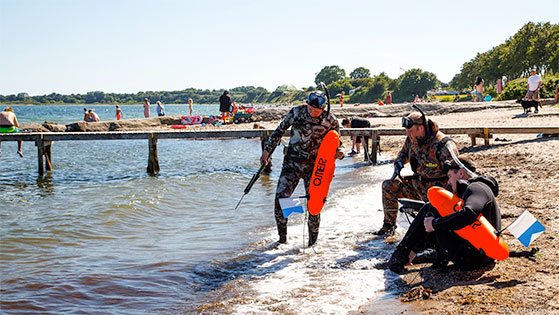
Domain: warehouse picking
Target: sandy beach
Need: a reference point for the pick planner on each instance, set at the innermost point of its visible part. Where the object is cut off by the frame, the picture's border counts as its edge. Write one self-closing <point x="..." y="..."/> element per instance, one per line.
<point x="526" y="169"/>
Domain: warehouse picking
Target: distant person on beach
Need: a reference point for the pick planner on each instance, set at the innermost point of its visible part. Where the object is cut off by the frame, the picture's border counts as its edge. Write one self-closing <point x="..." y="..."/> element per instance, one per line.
<point x="534" y="85"/>
<point x="557" y="94"/>
<point x="388" y="99"/>
<point x="309" y="124"/>
<point x="190" y="106"/>
<point x="225" y="103"/>
<point x="146" y="107"/>
<point x="160" y="109"/>
<point x="426" y="149"/>
<point x="9" y="124"/>
<point x="342" y="99"/>
<point x="356" y="122"/>
<point x="416" y="99"/>
<point x="430" y="230"/>
<point x="93" y="117"/>
<point x="479" y="89"/>
<point x="85" y="114"/>
<point x="118" y="113"/>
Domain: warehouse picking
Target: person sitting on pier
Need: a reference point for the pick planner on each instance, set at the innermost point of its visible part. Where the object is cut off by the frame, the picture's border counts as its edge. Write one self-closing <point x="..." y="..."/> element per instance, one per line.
<point x="9" y="124"/>
<point x="309" y="124"/>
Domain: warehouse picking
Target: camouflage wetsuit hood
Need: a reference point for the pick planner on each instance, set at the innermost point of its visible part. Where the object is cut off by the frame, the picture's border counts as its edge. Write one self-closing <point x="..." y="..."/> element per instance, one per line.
<point x="426" y="157"/>
<point x="306" y="137"/>
<point x="307" y="131"/>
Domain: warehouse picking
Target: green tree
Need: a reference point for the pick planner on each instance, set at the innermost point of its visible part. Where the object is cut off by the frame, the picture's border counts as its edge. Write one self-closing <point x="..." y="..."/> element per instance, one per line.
<point x="329" y="74"/>
<point x="339" y="86"/>
<point x="360" y="73"/>
<point x="414" y="82"/>
<point x="533" y="46"/>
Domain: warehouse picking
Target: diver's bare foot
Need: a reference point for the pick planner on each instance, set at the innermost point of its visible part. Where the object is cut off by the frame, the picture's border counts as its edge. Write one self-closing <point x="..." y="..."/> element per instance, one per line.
<point x="20" y="153"/>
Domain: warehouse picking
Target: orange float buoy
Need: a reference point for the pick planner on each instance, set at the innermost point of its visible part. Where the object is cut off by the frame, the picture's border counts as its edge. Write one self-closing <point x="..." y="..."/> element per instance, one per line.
<point x="481" y="234"/>
<point x="323" y="172"/>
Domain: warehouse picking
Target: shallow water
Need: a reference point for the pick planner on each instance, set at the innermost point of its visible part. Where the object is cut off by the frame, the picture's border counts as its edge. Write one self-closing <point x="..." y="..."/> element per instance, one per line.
<point x="99" y="235"/>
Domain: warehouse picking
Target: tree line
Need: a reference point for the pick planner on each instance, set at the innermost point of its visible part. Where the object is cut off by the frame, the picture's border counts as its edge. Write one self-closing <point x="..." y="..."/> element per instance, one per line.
<point x="243" y="94"/>
<point x="534" y="46"/>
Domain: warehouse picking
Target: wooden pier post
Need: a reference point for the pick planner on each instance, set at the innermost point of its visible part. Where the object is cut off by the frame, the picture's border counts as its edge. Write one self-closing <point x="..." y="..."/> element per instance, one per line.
<point x="374" y="146"/>
<point x="486" y="136"/>
<point x="366" y="154"/>
<point x="153" y="160"/>
<point x="473" y="139"/>
<point x="40" y="153"/>
<point x="44" y="153"/>
<point x="48" y="154"/>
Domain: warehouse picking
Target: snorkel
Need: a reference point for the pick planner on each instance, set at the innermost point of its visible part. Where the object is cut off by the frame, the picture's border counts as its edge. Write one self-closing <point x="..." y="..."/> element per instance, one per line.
<point x="327" y="97"/>
<point x="425" y="124"/>
<point x="423" y="118"/>
<point x="460" y="164"/>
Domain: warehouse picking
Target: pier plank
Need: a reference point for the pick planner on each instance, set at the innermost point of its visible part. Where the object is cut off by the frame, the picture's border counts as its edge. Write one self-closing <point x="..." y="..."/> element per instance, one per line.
<point x="43" y="140"/>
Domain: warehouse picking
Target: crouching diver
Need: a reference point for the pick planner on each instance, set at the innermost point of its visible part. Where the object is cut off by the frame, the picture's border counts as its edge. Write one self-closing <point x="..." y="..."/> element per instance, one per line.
<point x="310" y="122"/>
<point x="425" y="148"/>
<point x="430" y="230"/>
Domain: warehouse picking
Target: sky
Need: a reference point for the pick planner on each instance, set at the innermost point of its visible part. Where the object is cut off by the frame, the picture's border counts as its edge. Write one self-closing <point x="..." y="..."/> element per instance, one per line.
<point x="127" y="46"/>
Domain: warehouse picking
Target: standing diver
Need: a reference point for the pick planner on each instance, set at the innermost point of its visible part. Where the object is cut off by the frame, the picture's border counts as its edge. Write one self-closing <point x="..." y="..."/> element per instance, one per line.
<point x="310" y="122"/>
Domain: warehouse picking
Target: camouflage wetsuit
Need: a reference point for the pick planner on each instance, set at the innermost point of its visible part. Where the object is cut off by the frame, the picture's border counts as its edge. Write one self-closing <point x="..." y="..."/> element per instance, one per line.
<point x="306" y="137"/>
<point x="426" y="160"/>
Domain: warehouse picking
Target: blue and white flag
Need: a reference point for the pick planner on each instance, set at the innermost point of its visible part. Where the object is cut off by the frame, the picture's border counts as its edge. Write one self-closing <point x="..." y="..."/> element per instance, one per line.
<point x="290" y="205"/>
<point x="526" y="228"/>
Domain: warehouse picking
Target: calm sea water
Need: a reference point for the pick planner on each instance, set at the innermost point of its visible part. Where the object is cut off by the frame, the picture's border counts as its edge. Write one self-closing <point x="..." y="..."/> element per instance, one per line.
<point x="98" y="235"/>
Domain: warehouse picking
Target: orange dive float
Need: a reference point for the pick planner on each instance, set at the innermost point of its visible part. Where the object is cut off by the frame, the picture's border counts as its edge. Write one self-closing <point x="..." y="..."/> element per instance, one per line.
<point x="323" y="172"/>
<point x="481" y="234"/>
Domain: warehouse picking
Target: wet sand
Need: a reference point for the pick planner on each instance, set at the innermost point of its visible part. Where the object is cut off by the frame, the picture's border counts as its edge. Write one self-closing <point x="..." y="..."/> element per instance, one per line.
<point x="526" y="168"/>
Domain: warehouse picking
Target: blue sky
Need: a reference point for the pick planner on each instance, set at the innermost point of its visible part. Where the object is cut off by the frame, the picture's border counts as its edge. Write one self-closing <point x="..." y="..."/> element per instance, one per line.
<point x="76" y="46"/>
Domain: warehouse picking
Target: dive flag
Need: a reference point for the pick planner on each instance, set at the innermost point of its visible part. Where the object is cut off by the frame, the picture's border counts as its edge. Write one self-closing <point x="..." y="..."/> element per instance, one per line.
<point x="290" y="205"/>
<point x="526" y="228"/>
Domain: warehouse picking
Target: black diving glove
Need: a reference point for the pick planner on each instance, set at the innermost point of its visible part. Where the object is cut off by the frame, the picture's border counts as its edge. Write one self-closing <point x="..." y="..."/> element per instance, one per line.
<point x="398" y="166"/>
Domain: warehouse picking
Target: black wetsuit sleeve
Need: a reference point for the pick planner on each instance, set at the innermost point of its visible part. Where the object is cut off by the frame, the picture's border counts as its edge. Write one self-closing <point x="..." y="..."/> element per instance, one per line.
<point x="475" y="198"/>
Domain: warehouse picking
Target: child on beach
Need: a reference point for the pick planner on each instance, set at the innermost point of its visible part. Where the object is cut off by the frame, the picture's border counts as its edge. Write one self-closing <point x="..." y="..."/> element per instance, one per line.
<point x="190" y="106"/>
<point x="118" y="113"/>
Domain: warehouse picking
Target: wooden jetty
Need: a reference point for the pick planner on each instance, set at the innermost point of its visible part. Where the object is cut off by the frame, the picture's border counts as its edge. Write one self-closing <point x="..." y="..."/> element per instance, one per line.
<point x="44" y="140"/>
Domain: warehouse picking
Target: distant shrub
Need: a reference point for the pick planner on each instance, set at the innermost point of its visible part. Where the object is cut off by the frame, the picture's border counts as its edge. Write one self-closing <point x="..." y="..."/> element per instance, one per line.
<point x="516" y="89"/>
